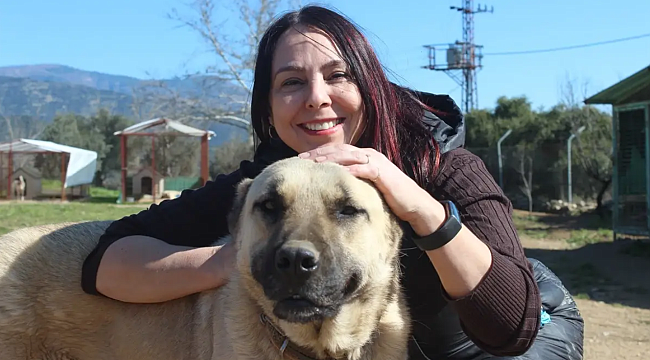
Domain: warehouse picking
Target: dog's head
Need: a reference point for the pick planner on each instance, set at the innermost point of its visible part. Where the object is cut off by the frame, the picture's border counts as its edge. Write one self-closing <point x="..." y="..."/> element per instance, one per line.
<point x="318" y="250"/>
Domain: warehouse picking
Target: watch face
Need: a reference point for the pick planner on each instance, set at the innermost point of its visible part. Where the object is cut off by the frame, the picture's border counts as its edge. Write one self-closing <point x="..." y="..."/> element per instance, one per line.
<point x="454" y="211"/>
<point x="451" y="209"/>
<point x="447" y="231"/>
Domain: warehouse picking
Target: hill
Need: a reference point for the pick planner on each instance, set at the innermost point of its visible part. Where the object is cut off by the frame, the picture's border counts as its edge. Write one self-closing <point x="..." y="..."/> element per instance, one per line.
<point x="46" y="90"/>
<point x="45" y="99"/>
<point x="102" y="81"/>
<point x="68" y="75"/>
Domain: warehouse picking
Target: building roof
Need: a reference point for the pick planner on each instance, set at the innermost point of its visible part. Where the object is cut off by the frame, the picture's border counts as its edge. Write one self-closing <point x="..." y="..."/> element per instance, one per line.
<point x="146" y="126"/>
<point x="635" y="88"/>
<point x="148" y="169"/>
<point x="29" y="171"/>
<point x="82" y="163"/>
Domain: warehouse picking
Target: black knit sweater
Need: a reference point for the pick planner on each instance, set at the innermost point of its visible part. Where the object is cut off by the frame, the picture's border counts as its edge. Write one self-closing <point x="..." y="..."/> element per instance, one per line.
<point x="501" y="315"/>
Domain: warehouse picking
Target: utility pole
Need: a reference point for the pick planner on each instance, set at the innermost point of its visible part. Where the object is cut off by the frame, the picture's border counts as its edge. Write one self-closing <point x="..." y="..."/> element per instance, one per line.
<point x="568" y="160"/>
<point x="461" y="62"/>
<point x="503" y="137"/>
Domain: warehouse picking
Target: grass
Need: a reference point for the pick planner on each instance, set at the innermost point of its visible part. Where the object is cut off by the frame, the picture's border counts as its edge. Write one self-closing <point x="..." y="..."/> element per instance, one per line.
<point x="579" y="231"/>
<point x="582" y="237"/>
<point x="14" y="216"/>
<point x="50" y="185"/>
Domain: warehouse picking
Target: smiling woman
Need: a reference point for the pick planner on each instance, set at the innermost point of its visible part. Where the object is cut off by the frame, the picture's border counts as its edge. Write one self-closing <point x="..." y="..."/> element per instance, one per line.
<point x="320" y="93"/>
<point x="314" y="99"/>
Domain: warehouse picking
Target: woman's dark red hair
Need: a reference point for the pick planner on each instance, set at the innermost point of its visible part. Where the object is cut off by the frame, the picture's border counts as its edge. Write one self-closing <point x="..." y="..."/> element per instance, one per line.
<point x="393" y="115"/>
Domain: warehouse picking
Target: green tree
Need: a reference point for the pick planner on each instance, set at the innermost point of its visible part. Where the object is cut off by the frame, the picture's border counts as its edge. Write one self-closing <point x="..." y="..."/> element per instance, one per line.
<point x="105" y="125"/>
<point x="64" y="130"/>
<point x="593" y="151"/>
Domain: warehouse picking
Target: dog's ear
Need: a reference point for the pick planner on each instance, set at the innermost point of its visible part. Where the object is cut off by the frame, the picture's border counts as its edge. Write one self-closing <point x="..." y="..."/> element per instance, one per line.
<point x="238" y="204"/>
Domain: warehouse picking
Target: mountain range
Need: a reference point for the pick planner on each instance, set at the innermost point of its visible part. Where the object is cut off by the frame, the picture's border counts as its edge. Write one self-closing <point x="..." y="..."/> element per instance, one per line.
<point x="46" y="90"/>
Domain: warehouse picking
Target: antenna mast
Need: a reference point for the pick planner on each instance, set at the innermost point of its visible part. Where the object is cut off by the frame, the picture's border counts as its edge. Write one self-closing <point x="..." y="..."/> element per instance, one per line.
<point x="461" y="62"/>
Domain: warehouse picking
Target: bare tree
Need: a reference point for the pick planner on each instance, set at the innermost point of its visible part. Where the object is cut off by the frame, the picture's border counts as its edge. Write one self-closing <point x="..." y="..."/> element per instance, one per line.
<point x="228" y="156"/>
<point x="525" y="170"/>
<point x="231" y="32"/>
<point x="571" y="93"/>
<point x="234" y="56"/>
<point x="17" y="127"/>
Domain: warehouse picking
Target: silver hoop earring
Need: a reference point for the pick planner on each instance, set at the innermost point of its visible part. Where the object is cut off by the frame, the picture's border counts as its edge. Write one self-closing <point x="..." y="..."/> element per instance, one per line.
<point x="270" y="133"/>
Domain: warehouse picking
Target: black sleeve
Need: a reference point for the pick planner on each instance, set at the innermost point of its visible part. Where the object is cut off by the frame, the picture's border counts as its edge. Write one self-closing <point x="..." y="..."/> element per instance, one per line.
<point x="196" y="218"/>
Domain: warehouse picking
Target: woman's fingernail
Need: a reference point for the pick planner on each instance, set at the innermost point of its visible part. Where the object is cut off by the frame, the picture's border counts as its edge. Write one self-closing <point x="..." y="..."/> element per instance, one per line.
<point x="303" y="155"/>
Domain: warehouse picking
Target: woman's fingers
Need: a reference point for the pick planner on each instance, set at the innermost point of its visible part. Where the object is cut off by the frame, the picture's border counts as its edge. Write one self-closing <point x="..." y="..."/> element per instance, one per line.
<point x="343" y="155"/>
<point x="365" y="171"/>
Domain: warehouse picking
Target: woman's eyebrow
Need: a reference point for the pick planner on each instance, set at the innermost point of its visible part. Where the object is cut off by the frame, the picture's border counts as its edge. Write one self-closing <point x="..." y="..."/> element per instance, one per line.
<point x="330" y="64"/>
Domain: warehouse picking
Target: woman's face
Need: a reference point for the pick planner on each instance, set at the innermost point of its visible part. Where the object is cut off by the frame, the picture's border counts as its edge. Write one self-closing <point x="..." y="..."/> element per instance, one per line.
<point x="313" y="100"/>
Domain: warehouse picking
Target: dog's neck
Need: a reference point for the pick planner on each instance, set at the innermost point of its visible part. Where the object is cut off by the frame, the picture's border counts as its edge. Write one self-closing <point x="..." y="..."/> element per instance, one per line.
<point x="284" y="345"/>
<point x="265" y="337"/>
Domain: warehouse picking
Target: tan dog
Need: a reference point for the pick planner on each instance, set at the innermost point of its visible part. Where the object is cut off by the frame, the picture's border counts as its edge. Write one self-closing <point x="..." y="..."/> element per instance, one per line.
<point x="317" y="278"/>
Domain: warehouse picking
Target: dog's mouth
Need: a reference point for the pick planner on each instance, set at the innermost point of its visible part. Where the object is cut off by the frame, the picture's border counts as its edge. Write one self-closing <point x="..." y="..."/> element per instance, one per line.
<point x="297" y="309"/>
<point x="310" y="306"/>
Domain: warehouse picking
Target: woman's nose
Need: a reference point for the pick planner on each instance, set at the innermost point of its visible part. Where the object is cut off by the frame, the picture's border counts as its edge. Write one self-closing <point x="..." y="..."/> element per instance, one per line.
<point x="318" y="94"/>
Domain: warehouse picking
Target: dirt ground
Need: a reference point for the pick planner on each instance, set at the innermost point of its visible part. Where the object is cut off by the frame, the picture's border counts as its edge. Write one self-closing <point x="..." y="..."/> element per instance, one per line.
<point x="610" y="280"/>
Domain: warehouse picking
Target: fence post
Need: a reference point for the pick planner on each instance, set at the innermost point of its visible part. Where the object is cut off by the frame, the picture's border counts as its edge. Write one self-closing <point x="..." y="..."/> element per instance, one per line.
<point x="568" y="144"/>
<point x="503" y="137"/>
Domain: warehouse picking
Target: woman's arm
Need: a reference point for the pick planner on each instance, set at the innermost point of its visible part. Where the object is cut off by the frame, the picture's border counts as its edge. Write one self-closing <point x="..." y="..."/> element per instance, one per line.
<point x="483" y="270"/>
<point x="463" y="262"/>
<point x="141" y="269"/>
<point x="165" y="252"/>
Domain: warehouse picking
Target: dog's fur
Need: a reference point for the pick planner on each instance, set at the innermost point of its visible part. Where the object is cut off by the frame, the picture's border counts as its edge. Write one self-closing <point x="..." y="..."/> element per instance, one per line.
<point x="360" y="311"/>
<point x="19" y="188"/>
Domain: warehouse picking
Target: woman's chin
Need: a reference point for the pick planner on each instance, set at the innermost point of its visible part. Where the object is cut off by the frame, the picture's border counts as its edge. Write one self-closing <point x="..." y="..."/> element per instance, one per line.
<point x="311" y="144"/>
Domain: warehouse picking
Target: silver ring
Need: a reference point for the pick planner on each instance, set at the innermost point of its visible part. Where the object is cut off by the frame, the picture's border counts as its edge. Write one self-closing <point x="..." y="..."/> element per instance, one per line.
<point x="368" y="157"/>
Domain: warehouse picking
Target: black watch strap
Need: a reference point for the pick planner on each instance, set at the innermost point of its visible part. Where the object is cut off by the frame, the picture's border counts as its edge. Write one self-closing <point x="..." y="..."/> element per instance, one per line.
<point x="447" y="231"/>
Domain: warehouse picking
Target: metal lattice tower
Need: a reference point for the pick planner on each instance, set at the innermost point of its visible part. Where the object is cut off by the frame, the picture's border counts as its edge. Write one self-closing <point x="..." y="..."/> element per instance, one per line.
<point x="461" y="62"/>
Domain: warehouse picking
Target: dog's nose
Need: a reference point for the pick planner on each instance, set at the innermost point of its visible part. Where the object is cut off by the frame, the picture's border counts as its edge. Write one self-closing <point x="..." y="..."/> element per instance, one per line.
<point x="297" y="258"/>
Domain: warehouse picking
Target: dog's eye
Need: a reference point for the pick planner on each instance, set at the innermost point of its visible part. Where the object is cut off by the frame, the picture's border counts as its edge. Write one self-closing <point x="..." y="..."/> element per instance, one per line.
<point x="268" y="205"/>
<point x="349" y="211"/>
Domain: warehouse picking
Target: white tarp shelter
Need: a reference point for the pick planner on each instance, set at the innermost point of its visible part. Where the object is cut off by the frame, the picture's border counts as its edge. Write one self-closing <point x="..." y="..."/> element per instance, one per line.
<point x="82" y="163"/>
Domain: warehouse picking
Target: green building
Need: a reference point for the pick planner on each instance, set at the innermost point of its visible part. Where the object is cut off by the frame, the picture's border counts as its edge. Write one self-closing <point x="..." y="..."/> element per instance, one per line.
<point x="630" y="100"/>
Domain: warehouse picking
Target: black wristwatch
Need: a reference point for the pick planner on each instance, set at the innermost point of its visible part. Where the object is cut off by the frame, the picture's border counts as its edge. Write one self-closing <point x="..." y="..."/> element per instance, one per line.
<point x="445" y="233"/>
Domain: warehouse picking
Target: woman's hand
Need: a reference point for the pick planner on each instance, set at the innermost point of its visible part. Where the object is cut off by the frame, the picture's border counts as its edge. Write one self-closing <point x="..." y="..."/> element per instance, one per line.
<point x="461" y="263"/>
<point x="405" y="197"/>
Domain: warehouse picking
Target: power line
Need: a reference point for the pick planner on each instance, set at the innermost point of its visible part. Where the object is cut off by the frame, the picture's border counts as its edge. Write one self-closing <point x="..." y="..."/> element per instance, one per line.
<point x="568" y="47"/>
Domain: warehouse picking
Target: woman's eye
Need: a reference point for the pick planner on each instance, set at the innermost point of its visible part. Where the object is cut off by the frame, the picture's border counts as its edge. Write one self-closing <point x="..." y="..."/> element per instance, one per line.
<point x="291" y="82"/>
<point x="339" y="75"/>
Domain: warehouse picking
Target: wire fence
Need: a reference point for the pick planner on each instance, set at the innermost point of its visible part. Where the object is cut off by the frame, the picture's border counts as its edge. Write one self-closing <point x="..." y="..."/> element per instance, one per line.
<point x="543" y="174"/>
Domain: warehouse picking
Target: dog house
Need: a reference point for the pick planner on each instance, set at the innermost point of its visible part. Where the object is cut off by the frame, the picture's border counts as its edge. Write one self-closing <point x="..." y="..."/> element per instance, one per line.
<point x="154" y="128"/>
<point x="145" y="183"/>
<point x="33" y="187"/>
<point x="78" y="166"/>
<point x="630" y="100"/>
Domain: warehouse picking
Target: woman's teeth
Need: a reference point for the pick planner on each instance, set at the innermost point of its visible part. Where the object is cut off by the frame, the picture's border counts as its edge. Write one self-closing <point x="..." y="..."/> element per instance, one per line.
<point x="322" y="125"/>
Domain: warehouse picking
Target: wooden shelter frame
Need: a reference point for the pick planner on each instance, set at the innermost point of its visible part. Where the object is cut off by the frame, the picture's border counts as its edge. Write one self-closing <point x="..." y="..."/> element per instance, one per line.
<point x="180" y="130"/>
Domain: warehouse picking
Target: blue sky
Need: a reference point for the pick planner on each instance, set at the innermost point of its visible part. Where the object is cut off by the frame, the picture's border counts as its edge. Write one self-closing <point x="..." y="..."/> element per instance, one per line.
<point x="134" y="37"/>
